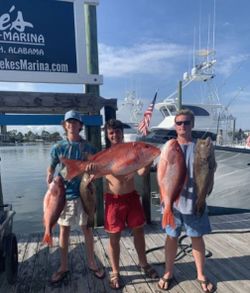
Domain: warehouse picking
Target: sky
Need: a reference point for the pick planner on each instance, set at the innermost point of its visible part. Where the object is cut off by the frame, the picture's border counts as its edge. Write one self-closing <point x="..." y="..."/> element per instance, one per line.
<point x="147" y="45"/>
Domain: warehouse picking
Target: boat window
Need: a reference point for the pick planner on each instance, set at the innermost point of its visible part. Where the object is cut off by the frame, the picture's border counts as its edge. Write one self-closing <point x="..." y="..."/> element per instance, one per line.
<point x="169" y="110"/>
<point x="198" y="111"/>
<point x="164" y="112"/>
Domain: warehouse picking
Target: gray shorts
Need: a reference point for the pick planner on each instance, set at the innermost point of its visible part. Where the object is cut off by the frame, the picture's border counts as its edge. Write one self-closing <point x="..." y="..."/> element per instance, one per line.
<point x="195" y="226"/>
<point x="73" y="214"/>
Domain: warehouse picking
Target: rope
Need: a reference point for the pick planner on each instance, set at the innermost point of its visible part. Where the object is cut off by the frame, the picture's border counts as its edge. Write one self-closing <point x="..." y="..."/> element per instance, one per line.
<point x="186" y="249"/>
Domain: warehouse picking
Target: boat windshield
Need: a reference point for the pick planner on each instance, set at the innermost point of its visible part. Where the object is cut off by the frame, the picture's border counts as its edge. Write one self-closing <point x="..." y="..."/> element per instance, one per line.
<point x="159" y="136"/>
<point x="198" y="111"/>
<point x="169" y="110"/>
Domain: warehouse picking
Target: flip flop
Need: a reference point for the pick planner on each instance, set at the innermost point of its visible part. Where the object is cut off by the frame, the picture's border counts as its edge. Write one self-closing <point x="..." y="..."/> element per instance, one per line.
<point x="115" y="281"/>
<point x="58" y="277"/>
<point x="165" y="281"/>
<point x="98" y="273"/>
<point x="149" y="271"/>
<point x="207" y="282"/>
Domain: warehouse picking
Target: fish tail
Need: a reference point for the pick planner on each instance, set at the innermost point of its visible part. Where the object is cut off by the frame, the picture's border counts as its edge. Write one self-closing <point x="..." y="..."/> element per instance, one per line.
<point x="47" y="239"/>
<point x="168" y="219"/>
<point x="72" y="168"/>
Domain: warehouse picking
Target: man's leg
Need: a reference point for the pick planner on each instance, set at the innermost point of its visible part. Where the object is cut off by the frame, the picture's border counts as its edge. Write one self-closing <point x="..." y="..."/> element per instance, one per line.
<point x="114" y="255"/>
<point x="139" y="242"/>
<point x="63" y="244"/>
<point x="198" y="249"/>
<point x="89" y="241"/>
<point x="170" y="253"/>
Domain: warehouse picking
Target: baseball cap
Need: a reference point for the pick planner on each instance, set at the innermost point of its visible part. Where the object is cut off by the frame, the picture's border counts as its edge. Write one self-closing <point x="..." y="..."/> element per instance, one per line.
<point x="72" y="115"/>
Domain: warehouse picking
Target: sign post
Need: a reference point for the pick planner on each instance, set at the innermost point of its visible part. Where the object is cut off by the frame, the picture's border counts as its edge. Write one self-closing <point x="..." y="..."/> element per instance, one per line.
<point x="94" y="132"/>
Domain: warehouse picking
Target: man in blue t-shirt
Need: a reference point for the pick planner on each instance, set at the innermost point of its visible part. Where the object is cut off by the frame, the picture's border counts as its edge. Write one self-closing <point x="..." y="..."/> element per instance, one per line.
<point x="76" y="148"/>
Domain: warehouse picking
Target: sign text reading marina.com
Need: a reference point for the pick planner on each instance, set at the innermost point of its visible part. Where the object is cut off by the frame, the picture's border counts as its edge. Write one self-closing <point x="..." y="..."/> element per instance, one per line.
<point x="43" y="41"/>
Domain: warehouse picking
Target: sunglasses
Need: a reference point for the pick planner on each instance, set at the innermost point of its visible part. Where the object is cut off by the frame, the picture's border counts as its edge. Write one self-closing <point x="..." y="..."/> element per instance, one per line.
<point x="187" y="122"/>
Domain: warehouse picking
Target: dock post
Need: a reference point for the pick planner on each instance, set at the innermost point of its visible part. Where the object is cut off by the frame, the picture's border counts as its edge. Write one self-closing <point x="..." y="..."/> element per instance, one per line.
<point x="1" y="193"/>
<point x="93" y="132"/>
<point x="180" y="95"/>
<point x="146" y="197"/>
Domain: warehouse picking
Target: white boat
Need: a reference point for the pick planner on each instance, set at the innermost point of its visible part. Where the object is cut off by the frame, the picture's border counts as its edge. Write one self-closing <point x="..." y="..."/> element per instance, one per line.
<point x="211" y="117"/>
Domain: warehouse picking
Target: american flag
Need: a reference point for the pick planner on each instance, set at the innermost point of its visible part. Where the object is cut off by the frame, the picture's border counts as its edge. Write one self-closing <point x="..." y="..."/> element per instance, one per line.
<point x="143" y="126"/>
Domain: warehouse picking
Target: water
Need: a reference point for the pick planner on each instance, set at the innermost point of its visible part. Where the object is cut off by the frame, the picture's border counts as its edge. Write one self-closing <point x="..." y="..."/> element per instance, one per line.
<point x="23" y="174"/>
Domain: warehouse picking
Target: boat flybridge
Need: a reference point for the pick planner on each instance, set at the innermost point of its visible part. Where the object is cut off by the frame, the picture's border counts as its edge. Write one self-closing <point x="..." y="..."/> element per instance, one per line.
<point x="210" y="118"/>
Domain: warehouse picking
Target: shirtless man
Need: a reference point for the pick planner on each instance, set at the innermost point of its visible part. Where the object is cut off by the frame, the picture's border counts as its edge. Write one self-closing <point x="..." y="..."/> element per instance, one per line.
<point x="123" y="208"/>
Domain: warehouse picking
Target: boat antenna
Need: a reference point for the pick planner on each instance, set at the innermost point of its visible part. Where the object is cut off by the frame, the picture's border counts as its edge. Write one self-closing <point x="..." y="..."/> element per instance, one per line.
<point x="194" y="45"/>
<point x="214" y="21"/>
<point x="208" y="37"/>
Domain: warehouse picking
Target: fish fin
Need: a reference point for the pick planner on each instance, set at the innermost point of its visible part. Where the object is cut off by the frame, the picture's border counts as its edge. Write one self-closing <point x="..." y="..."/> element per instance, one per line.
<point x="72" y="168"/>
<point x="168" y="219"/>
<point x="47" y="239"/>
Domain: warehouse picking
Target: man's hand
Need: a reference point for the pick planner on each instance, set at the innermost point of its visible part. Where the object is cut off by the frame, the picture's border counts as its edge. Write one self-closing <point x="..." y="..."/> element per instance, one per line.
<point x="91" y="168"/>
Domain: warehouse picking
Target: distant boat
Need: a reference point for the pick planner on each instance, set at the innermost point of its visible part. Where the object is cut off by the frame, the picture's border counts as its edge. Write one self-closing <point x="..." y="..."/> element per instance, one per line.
<point x="134" y="106"/>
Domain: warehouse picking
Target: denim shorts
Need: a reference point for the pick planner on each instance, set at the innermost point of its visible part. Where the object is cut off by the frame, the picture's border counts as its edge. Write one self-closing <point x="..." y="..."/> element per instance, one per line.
<point x="194" y="225"/>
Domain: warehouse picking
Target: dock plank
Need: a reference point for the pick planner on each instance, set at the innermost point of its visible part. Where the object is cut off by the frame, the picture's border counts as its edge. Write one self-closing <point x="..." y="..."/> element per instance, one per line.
<point x="228" y="266"/>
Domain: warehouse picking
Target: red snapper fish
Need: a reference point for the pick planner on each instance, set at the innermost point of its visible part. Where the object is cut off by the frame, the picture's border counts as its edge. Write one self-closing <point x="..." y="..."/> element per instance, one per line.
<point x="118" y="160"/>
<point x="171" y="175"/>
<point x="53" y="204"/>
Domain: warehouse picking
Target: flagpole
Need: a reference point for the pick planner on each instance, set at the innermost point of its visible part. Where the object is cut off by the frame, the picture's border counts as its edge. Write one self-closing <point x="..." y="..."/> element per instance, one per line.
<point x="143" y="126"/>
<point x="179" y="97"/>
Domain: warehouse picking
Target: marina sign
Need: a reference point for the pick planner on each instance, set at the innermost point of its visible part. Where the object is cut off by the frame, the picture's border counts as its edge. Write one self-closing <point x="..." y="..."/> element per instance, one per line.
<point x="44" y="41"/>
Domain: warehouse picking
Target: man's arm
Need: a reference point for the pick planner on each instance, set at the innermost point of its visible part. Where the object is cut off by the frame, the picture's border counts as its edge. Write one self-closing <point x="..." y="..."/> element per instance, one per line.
<point x="143" y="171"/>
<point x="50" y="174"/>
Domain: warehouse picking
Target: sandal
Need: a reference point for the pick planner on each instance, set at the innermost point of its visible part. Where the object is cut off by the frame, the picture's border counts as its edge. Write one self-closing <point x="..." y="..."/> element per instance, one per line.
<point x="99" y="273"/>
<point x="149" y="272"/>
<point x="165" y="283"/>
<point x="115" y="281"/>
<point x="207" y="283"/>
<point x="58" y="277"/>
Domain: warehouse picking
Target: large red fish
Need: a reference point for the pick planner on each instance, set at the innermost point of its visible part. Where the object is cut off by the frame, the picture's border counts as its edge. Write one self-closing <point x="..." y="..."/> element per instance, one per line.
<point x="53" y="204"/>
<point x="120" y="159"/>
<point x="171" y="175"/>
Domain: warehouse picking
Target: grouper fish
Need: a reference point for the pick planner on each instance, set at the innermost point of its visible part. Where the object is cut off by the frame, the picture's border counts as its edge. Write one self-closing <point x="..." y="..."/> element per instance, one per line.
<point x="171" y="177"/>
<point x="88" y="198"/>
<point x="53" y="204"/>
<point x="204" y="169"/>
<point x="120" y="159"/>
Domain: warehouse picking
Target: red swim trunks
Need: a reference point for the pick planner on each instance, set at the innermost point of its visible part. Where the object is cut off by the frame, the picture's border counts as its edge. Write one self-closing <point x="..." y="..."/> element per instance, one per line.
<point x="123" y="210"/>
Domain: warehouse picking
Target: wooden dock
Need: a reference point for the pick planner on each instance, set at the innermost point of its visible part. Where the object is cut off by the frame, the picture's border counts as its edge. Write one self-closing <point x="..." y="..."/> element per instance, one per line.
<point x="228" y="266"/>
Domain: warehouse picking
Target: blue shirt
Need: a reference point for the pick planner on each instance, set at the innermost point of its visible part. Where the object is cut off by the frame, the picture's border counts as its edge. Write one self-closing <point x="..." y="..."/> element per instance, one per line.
<point x="74" y="151"/>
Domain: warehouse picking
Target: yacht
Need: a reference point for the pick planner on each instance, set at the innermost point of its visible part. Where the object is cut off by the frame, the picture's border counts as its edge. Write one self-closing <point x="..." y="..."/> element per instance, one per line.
<point x="211" y="117"/>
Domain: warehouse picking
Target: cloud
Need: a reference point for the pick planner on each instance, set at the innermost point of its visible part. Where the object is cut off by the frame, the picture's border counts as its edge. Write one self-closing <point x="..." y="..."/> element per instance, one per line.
<point x="144" y="58"/>
<point x="17" y="86"/>
<point x="231" y="64"/>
